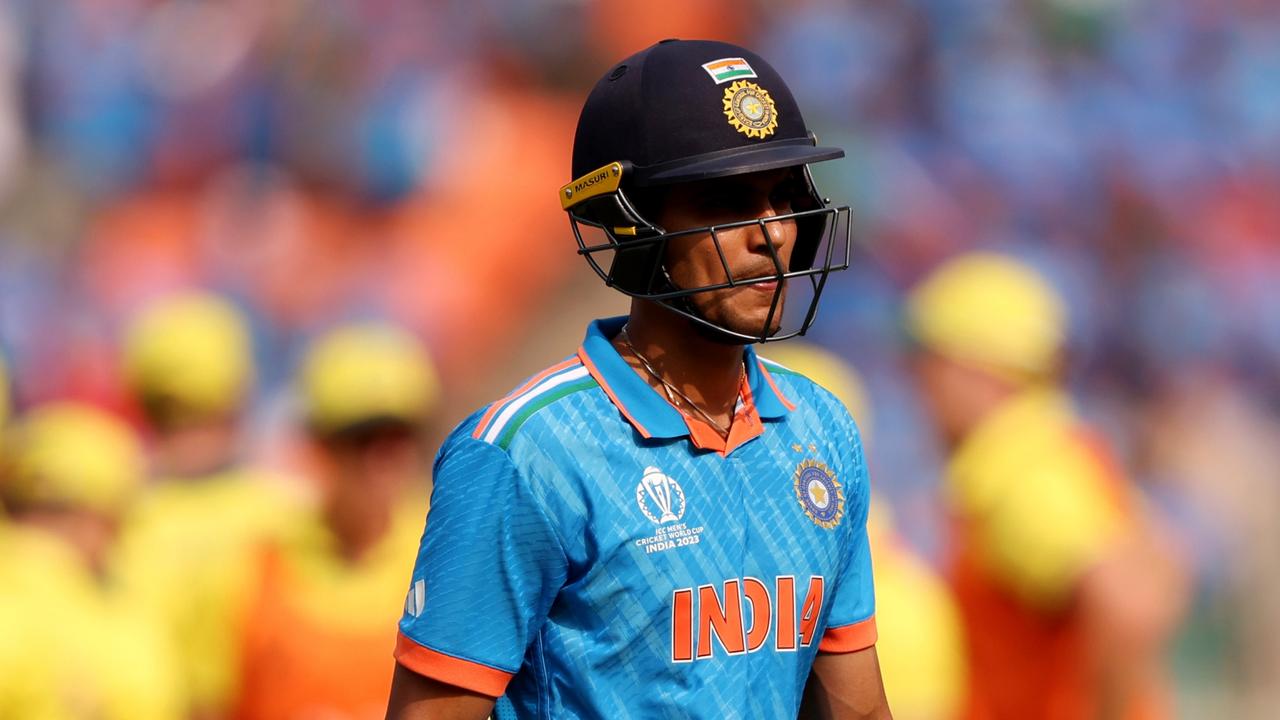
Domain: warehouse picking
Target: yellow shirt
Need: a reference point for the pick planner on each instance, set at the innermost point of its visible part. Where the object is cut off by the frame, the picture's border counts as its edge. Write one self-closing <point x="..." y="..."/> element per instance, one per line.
<point x="1037" y="500"/>
<point x="1035" y="497"/>
<point x="921" y="644"/>
<point x="72" y="648"/>
<point x="188" y="558"/>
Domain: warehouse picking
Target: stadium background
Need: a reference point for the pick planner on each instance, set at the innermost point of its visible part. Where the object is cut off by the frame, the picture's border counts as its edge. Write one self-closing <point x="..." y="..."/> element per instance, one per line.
<point x="319" y="161"/>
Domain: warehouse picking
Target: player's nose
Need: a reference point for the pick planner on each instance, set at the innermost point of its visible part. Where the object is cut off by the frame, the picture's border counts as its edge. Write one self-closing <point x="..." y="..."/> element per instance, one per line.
<point x="773" y="233"/>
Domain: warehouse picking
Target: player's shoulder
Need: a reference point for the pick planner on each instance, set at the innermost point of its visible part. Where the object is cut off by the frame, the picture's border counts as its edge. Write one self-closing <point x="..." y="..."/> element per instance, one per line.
<point x="800" y="389"/>
<point x="532" y="403"/>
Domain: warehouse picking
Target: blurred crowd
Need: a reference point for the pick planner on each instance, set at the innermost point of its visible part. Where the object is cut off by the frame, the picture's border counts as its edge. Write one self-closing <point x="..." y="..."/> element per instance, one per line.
<point x="256" y="257"/>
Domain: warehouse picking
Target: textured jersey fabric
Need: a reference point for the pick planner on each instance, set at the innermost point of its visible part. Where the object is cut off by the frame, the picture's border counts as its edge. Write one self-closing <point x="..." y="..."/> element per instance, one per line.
<point x="590" y="552"/>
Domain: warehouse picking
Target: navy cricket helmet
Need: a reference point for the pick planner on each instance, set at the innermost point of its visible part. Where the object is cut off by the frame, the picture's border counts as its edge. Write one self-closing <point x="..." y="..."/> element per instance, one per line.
<point x="690" y="110"/>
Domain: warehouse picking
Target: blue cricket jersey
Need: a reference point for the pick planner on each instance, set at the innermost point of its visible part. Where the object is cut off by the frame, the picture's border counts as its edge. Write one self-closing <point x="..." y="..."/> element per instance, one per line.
<point x="591" y="552"/>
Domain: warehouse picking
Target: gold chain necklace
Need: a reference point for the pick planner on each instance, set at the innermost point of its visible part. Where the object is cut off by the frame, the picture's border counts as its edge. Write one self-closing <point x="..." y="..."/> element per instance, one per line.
<point x="669" y="388"/>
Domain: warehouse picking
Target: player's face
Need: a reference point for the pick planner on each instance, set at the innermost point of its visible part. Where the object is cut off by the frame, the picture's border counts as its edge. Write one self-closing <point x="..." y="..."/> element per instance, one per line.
<point x="693" y="260"/>
<point x="369" y="470"/>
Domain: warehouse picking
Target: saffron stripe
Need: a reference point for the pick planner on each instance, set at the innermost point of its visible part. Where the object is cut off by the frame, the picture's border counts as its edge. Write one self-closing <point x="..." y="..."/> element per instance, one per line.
<point x="849" y="638"/>
<point x="456" y="671"/>
<point x="495" y="428"/>
<point x="493" y="409"/>
<point x="727" y="62"/>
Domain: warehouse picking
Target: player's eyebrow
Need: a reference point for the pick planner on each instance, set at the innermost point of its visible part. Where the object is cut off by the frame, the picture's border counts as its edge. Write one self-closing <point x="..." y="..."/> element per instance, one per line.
<point x="726" y="188"/>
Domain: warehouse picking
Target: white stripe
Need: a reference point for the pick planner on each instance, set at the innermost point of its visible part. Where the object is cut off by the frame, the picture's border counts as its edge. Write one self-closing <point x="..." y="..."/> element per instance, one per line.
<point x="495" y="427"/>
<point x="776" y="364"/>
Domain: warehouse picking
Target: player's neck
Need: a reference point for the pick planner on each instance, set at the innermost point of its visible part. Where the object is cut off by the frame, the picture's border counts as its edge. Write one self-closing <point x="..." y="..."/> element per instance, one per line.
<point x="708" y="372"/>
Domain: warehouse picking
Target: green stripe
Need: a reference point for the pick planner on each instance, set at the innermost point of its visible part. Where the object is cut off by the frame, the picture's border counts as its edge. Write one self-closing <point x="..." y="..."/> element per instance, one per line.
<point x="775" y="368"/>
<point x="734" y="73"/>
<point x="514" y="424"/>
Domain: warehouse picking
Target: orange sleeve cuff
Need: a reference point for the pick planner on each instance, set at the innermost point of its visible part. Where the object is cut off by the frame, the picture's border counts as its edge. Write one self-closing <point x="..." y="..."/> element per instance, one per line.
<point x="849" y="638"/>
<point x="465" y="674"/>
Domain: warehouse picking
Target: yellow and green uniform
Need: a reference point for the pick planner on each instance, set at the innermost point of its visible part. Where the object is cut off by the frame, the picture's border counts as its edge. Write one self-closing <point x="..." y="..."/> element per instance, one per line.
<point x="1036" y="501"/>
<point x="922" y="645"/>
<point x="73" y="646"/>
<point x="188" y="557"/>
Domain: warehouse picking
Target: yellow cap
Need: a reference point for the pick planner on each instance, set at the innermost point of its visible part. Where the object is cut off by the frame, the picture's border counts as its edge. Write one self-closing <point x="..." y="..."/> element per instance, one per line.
<point x="366" y="371"/>
<point x="990" y="309"/>
<point x="830" y="371"/>
<point x="73" y="454"/>
<point x="193" y="349"/>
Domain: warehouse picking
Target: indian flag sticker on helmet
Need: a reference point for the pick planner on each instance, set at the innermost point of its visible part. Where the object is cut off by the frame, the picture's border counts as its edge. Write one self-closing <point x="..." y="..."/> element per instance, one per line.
<point x="726" y="69"/>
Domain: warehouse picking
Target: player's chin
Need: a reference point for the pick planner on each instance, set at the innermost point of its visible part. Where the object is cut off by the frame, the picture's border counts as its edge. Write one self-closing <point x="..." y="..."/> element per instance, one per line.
<point x="751" y="313"/>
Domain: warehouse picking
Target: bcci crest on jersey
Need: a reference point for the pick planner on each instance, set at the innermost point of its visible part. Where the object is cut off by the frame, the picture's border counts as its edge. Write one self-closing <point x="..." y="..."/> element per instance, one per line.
<point x="820" y="495"/>
<point x="662" y="501"/>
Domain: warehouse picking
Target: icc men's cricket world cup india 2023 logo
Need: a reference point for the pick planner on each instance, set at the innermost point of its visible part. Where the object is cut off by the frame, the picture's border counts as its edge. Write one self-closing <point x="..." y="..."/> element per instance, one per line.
<point x="660" y="498"/>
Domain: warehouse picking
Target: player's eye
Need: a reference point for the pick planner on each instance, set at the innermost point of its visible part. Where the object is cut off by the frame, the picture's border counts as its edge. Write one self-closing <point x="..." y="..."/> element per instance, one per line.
<point x="727" y="206"/>
<point x="785" y="196"/>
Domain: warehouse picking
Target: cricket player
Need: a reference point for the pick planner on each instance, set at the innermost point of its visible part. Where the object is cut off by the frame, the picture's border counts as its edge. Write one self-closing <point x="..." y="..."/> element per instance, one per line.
<point x="74" y="643"/>
<point x="922" y="645"/>
<point x="188" y="543"/>
<point x="329" y="587"/>
<point x="664" y="524"/>
<point x="1069" y="587"/>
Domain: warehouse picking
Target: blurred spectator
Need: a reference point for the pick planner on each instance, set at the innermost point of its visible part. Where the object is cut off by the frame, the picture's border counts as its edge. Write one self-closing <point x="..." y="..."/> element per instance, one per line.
<point x="189" y="544"/>
<point x="329" y="590"/>
<point x="4" y="403"/>
<point x="921" y="646"/>
<point x="73" y="644"/>
<point x="1211" y="448"/>
<point x="1068" y="585"/>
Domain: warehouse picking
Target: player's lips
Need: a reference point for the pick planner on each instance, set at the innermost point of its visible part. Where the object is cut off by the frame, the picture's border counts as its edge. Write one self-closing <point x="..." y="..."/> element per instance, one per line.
<point x="755" y="278"/>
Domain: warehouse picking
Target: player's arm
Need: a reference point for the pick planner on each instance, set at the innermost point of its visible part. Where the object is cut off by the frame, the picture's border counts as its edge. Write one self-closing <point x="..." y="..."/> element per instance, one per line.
<point x="416" y="697"/>
<point x="845" y="686"/>
<point x="1131" y="602"/>
<point x="1108" y="563"/>
<point x="489" y="567"/>
<point x="844" y="682"/>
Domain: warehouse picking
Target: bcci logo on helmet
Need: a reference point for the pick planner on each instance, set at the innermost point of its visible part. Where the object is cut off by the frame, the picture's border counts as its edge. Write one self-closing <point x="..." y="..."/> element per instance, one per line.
<point x="750" y="109"/>
<point x="660" y="497"/>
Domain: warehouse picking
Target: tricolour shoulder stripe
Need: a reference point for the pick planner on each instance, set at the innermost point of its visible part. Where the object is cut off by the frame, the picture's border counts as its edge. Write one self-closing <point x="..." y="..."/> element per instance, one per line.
<point x="528" y="384"/>
<point x="776" y="366"/>
<point x="568" y="387"/>
<point x="769" y="377"/>
<point x="511" y="410"/>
